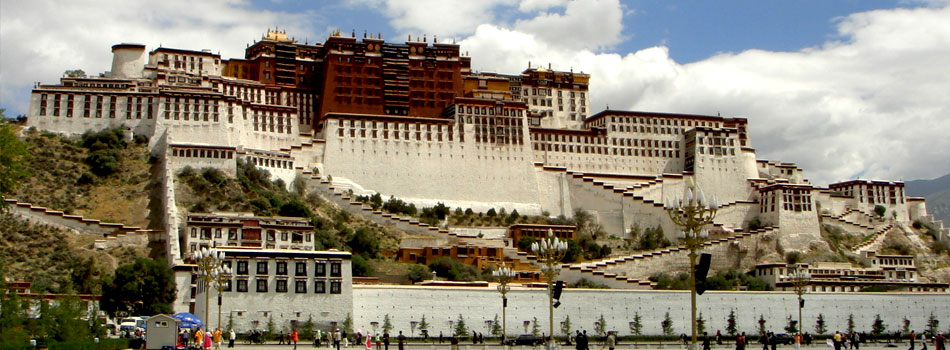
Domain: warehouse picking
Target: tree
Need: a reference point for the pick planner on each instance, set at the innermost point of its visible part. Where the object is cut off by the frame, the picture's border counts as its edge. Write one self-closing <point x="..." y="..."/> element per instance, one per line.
<point x="878" y="328"/>
<point x="601" y="325"/>
<point x="230" y="326"/>
<point x="850" y="323"/>
<point x="667" y="325"/>
<point x="762" y="328"/>
<point x="308" y="327"/>
<point x="535" y="327"/>
<point x="460" y="329"/>
<point x="364" y="242"/>
<point x="731" y="328"/>
<point x="791" y="326"/>
<point x="419" y="273"/>
<point x="65" y="320"/>
<point x="12" y="317"/>
<point x="423" y="325"/>
<point x="566" y="325"/>
<point x="271" y="325"/>
<point x="880" y="210"/>
<point x="12" y="153"/>
<point x="348" y="323"/>
<point x="636" y="327"/>
<point x="496" y="327"/>
<point x="906" y="328"/>
<point x="145" y="287"/>
<point x="700" y="324"/>
<point x="932" y="324"/>
<point x="361" y="266"/>
<point x="820" y="327"/>
<point x="387" y="324"/>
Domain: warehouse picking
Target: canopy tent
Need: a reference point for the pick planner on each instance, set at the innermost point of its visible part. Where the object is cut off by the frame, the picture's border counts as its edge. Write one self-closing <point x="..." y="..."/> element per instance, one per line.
<point x="188" y="320"/>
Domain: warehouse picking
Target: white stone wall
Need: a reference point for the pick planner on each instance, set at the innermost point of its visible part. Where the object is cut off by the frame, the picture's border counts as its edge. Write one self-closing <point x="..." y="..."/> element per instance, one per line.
<point x="477" y="305"/>
<point x="248" y="307"/>
<point x="459" y="174"/>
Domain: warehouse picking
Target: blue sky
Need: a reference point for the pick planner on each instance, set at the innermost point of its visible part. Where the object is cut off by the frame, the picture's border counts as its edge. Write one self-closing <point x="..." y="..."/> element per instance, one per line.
<point x="844" y="89"/>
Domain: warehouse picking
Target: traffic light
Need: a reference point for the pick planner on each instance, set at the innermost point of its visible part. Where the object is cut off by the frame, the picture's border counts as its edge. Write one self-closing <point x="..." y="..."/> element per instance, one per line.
<point x="702" y="269"/>
<point x="504" y="302"/>
<point x="557" y="289"/>
<point x="801" y="302"/>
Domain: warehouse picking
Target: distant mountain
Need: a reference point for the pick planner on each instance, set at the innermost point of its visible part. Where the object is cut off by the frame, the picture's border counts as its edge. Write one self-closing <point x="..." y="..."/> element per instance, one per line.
<point x="937" y="193"/>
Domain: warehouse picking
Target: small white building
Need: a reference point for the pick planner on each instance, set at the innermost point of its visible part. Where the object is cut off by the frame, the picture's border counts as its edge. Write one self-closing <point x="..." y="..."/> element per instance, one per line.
<point x="162" y="332"/>
<point x="288" y="286"/>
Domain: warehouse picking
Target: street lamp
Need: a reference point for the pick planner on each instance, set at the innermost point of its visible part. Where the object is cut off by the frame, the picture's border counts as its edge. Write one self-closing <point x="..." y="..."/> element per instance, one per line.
<point x="503" y="275"/>
<point x="550" y="250"/>
<point x="692" y="213"/>
<point x="800" y="278"/>
<point x="211" y="271"/>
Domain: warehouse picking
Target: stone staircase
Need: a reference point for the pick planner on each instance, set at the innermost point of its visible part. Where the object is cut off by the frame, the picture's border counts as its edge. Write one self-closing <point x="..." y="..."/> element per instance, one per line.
<point x="873" y="243"/>
<point x="612" y="271"/>
<point x="112" y="234"/>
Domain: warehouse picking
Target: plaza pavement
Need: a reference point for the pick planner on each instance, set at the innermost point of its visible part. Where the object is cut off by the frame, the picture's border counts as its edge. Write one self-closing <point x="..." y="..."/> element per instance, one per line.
<point x="593" y="346"/>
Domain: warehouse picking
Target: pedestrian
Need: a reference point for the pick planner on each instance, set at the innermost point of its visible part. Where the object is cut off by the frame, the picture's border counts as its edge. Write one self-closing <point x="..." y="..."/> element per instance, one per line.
<point x="611" y="341"/>
<point x="369" y="342"/>
<point x="718" y="337"/>
<point x="454" y="341"/>
<point x="913" y="338"/>
<point x="346" y="339"/>
<point x="336" y="339"/>
<point x="217" y="338"/>
<point x="856" y="340"/>
<point x="379" y="340"/>
<point x="386" y="339"/>
<point x="807" y="339"/>
<point x="683" y="338"/>
<point x="295" y="337"/>
<point x="578" y="339"/>
<point x="207" y="340"/>
<point x="316" y="338"/>
<point x="440" y="337"/>
<point x="706" y="341"/>
<point x="231" y="337"/>
<point x="474" y="338"/>
<point x="586" y="341"/>
<point x="740" y="341"/>
<point x="764" y="340"/>
<point x="401" y="339"/>
<point x="938" y="341"/>
<point x="199" y="337"/>
<point x="772" y="340"/>
<point x="837" y="338"/>
<point x="798" y="341"/>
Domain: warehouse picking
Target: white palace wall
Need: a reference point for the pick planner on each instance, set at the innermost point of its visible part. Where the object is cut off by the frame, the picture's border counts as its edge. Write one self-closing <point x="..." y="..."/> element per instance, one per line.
<point x="478" y="305"/>
<point x="457" y="173"/>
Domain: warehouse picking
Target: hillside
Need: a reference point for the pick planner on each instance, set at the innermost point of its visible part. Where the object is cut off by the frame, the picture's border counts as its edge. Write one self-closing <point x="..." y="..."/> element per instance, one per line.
<point x="937" y="193"/>
<point x="62" y="179"/>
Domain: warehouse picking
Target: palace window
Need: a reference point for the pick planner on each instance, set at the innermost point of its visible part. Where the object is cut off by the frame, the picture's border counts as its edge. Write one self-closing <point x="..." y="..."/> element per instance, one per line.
<point x="262" y="286"/>
<point x="281" y="286"/>
<point x="335" y="269"/>
<point x="300" y="286"/>
<point x="335" y="287"/>
<point x="261" y="267"/>
<point x="242" y="286"/>
<point x="320" y="287"/>
<point x="281" y="268"/>
<point x="301" y="269"/>
<point x="242" y="267"/>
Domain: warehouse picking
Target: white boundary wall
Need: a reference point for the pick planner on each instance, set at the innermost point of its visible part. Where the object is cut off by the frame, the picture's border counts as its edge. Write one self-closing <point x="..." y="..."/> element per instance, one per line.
<point x="477" y="305"/>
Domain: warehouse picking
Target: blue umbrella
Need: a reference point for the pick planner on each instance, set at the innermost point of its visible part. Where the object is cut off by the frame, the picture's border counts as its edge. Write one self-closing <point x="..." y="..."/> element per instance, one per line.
<point x="188" y="320"/>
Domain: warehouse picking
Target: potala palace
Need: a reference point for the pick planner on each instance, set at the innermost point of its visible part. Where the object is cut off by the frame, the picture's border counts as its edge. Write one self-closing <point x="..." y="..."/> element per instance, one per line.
<point x="411" y="120"/>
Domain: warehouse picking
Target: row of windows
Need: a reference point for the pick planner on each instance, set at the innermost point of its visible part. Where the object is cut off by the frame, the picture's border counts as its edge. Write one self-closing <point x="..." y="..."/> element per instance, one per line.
<point x="202" y="153"/>
<point x="664" y="121"/>
<point x="280" y="286"/>
<point x="300" y="268"/>
<point x="254" y="234"/>
<point x="271" y="163"/>
<point x="635" y="152"/>
<point x="97" y="106"/>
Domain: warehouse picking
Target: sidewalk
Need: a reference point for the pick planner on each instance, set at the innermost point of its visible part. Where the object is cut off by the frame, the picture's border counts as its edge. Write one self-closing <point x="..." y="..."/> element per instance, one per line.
<point x="593" y="346"/>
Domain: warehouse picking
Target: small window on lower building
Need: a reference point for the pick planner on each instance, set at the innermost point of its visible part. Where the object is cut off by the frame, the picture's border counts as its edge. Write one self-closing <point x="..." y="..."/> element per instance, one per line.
<point x="320" y="287"/>
<point x="301" y="287"/>
<point x="262" y="286"/>
<point x="335" y="287"/>
<point x="281" y="286"/>
<point x="242" y="286"/>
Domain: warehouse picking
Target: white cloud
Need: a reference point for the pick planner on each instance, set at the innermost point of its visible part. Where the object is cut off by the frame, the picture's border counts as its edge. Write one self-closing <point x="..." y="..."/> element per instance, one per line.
<point x="871" y="104"/>
<point x="444" y="18"/>
<point x="539" y="5"/>
<point x="43" y="38"/>
<point x="591" y="24"/>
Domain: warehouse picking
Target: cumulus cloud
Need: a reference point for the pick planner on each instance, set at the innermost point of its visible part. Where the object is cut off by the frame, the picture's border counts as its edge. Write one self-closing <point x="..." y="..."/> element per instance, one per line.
<point x="591" y="24"/>
<point x="43" y="38"/>
<point x="870" y="103"/>
<point x="438" y="17"/>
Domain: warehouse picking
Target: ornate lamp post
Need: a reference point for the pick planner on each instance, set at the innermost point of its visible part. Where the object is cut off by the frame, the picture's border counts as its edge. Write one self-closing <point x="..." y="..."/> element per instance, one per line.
<point x="503" y="275"/>
<point x="211" y="271"/>
<point x="692" y="213"/>
<point x="550" y="250"/>
<point x="800" y="278"/>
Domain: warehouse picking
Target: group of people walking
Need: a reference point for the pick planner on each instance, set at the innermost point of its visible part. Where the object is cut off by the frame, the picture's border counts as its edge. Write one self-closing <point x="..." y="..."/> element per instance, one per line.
<point x="205" y="339"/>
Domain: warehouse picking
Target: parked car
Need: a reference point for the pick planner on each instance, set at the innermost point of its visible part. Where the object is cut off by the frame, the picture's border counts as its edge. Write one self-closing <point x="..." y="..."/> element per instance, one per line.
<point x="784" y="338"/>
<point x="525" y="339"/>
